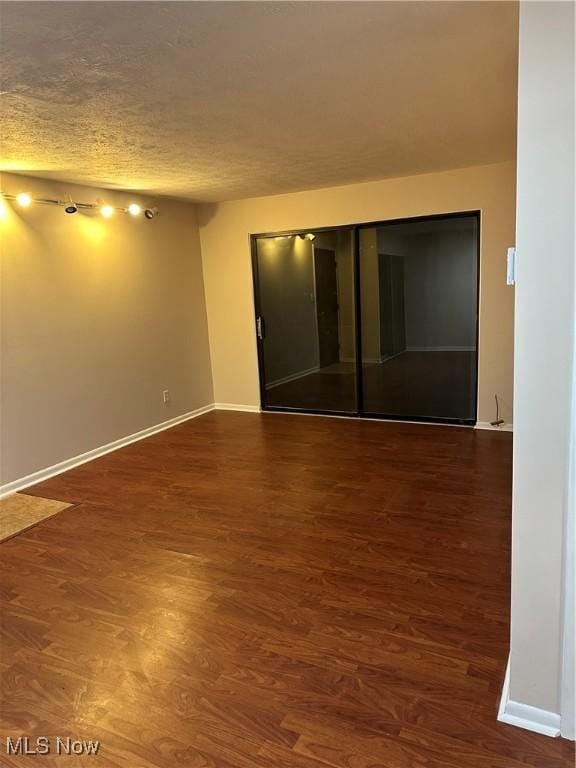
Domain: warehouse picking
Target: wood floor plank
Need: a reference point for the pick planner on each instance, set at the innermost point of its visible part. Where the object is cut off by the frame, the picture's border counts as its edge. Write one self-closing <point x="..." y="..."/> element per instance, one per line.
<point x="270" y="591"/>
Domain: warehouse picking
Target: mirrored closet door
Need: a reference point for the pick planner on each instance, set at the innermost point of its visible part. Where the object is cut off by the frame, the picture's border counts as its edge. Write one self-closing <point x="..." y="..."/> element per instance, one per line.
<point x="419" y="307"/>
<point x="304" y="285"/>
<point x="376" y="320"/>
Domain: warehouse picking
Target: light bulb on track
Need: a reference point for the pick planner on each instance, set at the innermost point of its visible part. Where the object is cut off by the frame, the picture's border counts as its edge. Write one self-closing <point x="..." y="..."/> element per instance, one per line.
<point x="107" y="211"/>
<point x="23" y="199"/>
<point x="134" y="209"/>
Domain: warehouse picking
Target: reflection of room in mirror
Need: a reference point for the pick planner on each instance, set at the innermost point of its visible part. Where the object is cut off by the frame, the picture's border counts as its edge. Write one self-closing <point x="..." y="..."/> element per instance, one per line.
<point x="419" y="317"/>
<point x="417" y="314"/>
<point x="306" y="290"/>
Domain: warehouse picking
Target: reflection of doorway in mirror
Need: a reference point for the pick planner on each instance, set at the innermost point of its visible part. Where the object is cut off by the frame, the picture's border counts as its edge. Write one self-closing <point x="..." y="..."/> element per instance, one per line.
<point x="326" y="284"/>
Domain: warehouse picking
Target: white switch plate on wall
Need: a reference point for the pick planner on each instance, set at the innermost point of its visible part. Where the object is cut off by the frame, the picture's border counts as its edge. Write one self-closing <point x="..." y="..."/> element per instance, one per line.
<point x="511" y="266"/>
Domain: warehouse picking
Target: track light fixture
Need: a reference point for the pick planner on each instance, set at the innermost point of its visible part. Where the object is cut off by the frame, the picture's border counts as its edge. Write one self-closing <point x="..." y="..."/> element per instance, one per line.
<point x="24" y="200"/>
<point x="307" y="236"/>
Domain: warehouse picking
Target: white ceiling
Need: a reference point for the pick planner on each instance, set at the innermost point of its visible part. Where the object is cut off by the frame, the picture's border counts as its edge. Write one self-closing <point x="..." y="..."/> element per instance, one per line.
<point x="221" y="100"/>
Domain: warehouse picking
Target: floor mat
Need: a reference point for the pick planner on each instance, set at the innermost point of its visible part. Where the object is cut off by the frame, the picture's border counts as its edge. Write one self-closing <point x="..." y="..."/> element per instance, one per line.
<point x="20" y="511"/>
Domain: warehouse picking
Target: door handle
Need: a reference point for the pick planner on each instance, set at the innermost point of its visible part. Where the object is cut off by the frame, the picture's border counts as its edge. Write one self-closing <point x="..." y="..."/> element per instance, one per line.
<point x="260" y="328"/>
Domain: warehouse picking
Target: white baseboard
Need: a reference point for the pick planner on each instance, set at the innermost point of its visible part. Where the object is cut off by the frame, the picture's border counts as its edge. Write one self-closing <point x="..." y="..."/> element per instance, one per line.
<point x="293" y="377"/>
<point x="75" y="461"/>
<point x="525" y="716"/>
<point x="237" y="407"/>
<point x="63" y="466"/>
<point x="486" y="425"/>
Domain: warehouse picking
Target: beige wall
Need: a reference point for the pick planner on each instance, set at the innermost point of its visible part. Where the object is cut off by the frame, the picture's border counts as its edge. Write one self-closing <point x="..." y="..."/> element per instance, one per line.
<point x="225" y="229"/>
<point x="98" y="317"/>
<point x="544" y="376"/>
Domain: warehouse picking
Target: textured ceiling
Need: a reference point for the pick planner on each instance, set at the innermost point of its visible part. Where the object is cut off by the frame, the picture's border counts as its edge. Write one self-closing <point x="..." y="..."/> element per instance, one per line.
<point x="218" y="100"/>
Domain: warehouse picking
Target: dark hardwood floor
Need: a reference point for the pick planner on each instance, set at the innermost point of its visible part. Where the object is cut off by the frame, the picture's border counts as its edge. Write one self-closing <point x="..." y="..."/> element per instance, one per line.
<point x="270" y="591"/>
<point x="426" y="385"/>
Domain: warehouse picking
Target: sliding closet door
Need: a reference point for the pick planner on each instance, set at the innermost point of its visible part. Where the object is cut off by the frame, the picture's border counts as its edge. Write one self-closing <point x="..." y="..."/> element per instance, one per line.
<point x="419" y="307"/>
<point x="305" y="321"/>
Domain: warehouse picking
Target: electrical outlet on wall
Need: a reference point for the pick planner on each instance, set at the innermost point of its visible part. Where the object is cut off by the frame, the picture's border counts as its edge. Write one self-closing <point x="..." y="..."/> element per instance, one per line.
<point x="166" y="395"/>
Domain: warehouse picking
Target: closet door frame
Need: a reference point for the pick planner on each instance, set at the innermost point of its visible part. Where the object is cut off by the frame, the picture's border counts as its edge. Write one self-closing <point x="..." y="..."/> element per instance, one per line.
<point x="355" y="229"/>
